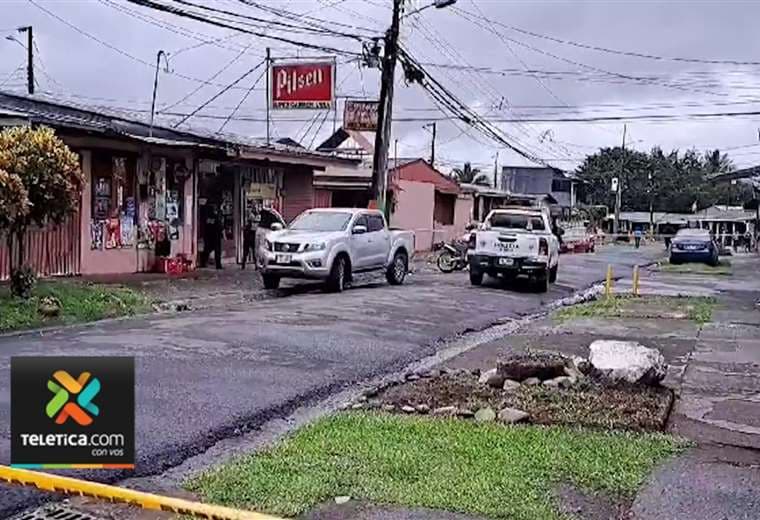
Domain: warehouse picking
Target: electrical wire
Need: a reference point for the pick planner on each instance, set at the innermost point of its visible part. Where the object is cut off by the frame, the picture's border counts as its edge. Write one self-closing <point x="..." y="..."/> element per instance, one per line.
<point x="217" y="95"/>
<point x="234" y="111"/>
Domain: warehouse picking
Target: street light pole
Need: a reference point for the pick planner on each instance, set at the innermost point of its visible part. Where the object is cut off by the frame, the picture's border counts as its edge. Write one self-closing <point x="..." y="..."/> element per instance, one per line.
<point x="433" y="126"/>
<point x="618" y="192"/>
<point x="155" y="89"/>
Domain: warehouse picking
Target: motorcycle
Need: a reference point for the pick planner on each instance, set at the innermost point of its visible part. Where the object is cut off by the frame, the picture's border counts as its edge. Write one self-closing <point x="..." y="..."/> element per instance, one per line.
<point x="453" y="256"/>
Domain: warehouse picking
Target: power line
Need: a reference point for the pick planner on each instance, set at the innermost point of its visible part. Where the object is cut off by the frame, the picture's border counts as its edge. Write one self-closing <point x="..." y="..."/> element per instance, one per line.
<point x="217" y="95"/>
<point x="234" y="111"/>
<point x="193" y="16"/>
<point x="628" y="53"/>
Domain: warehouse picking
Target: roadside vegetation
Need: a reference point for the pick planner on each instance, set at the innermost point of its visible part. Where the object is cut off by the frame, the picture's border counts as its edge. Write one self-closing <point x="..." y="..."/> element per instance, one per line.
<point x="483" y="469"/>
<point x="64" y="302"/>
<point x="723" y="268"/>
<point x="695" y="308"/>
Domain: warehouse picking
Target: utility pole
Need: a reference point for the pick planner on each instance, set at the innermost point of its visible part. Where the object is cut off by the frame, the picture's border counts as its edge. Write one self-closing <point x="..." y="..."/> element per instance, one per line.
<point x="618" y="193"/>
<point x="269" y="82"/>
<point x="385" y="109"/>
<point x="29" y="56"/>
<point x="496" y="171"/>
<point x="651" y="202"/>
<point x="432" y="144"/>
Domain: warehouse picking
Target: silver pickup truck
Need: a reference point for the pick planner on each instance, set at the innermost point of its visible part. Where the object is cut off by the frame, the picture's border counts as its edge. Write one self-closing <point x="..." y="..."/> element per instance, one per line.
<point x="331" y="244"/>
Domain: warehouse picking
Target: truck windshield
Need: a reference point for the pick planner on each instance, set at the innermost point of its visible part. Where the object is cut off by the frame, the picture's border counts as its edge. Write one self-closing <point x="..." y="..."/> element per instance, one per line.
<point x="321" y="221"/>
<point x="516" y="221"/>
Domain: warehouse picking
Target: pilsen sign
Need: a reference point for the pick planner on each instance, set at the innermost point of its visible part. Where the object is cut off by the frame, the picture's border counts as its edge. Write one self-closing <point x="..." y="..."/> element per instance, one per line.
<point x="302" y="85"/>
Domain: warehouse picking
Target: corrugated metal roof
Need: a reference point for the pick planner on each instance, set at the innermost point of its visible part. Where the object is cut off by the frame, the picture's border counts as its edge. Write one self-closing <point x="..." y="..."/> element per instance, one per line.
<point x="100" y="120"/>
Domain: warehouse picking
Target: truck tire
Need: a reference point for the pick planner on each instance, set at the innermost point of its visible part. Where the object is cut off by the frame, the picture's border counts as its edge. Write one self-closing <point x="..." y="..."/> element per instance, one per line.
<point x="542" y="281"/>
<point x="339" y="273"/>
<point x="476" y="277"/>
<point x="271" y="281"/>
<point x="396" y="272"/>
<point x="553" y="273"/>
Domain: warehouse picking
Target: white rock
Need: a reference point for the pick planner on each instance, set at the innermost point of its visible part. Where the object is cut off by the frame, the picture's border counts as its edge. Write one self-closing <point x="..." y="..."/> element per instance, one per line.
<point x="628" y="361"/>
<point x="510" y="385"/>
<point x="532" y="381"/>
<point x="342" y="500"/>
<point x="492" y="378"/>
<point x="485" y="415"/>
<point x="560" y="382"/>
<point x="512" y="415"/>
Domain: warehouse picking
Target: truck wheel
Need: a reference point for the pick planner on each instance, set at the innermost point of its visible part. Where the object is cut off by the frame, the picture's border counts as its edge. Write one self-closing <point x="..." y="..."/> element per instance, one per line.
<point x="396" y="272"/>
<point x="271" y="281"/>
<point x="339" y="273"/>
<point x="553" y="273"/>
<point x="476" y="277"/>
<point x="542" y="281"/>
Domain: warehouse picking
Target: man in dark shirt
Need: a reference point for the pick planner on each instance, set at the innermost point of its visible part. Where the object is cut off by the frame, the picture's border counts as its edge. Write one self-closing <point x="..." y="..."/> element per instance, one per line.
<point x="212" y="236"/>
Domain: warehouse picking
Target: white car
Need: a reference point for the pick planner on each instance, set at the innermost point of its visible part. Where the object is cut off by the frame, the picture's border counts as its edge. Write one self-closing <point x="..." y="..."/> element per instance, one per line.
<point x="515" y="242"/>
<point x="331" y="244"/>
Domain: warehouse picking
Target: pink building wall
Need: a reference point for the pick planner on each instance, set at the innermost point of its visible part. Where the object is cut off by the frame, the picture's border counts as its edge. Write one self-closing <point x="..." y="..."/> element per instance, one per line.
<point x="414" y="211"/>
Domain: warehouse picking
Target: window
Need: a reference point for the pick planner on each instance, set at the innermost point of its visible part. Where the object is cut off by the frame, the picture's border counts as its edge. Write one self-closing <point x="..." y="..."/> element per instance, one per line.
<point x="322" y="221"/>
<point x="112" y="187"/>
<point x="516" y="221"/>
<point x="362" y="221"/>
<point x="376" y="223"/>
<point x="561" y="185"/>
<point x="443" y="210"/>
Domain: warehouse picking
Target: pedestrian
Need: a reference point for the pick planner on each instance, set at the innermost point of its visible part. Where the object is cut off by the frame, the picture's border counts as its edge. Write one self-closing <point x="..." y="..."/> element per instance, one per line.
<point x="637" y="237"/>
<point x="212" y="236"/>
<point x="249" y="242"/>
<point x="747" y="241"/>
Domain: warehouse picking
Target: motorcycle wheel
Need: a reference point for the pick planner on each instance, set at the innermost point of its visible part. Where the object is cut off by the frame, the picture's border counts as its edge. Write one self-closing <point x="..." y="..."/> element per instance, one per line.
<point x="446" y="262"/>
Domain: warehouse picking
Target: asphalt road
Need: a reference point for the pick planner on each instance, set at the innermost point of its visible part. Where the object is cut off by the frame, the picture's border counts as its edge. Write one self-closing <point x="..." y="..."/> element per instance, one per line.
<point x="201" y="376"/>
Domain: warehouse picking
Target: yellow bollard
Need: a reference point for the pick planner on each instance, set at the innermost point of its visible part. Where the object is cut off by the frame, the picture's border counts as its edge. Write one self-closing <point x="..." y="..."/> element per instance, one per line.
<point x="635" y="280"/>
<point x="608" y="284"/>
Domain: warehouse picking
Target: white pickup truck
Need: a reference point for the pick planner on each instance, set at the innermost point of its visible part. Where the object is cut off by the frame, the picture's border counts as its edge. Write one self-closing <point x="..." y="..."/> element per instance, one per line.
<point x="331" y="244"/>
<point x="514" y="242"/>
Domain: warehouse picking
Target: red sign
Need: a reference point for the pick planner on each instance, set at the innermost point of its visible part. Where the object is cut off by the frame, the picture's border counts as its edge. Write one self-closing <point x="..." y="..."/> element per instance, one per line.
<point x="302" y="85"/>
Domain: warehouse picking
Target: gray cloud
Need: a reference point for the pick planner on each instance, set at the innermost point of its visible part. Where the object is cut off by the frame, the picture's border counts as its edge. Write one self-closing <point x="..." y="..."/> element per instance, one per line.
<point x="80" y="69"/>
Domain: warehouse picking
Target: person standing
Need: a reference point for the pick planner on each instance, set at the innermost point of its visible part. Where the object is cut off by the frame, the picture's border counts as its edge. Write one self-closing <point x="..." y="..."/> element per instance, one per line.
<point x="249" y="242"/>
<point x="637" y="237"/>
<point x="212" y="236"/>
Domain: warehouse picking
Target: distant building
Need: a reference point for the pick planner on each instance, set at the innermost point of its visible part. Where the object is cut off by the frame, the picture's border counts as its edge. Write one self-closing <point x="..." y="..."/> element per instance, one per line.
<point x="543" y="180"/>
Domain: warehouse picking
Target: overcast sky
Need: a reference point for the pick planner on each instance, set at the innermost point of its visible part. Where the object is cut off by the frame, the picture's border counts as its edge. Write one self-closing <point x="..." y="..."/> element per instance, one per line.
<point x="540" y="79"/>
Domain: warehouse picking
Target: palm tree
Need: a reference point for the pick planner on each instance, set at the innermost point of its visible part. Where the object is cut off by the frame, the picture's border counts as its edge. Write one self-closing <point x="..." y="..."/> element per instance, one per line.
<point x="470" y="175"/>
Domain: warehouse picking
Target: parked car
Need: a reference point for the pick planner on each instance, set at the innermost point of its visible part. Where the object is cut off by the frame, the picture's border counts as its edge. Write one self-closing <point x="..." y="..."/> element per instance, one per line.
<point x="332" y="244"/>
<point x="577" y="240"/>
<point x="515" y="242"/>
<point x="694" y="245"/>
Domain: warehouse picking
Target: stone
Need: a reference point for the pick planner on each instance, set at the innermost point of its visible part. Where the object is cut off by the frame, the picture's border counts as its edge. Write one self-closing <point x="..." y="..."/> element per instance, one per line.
<point x="543" y="365"/>
<point x="408" y="409"/>
<point x="628" y="361"/>
<point x="422" y="408"/>
<point x="510" y="385"/>
<point x="412" y="377"/>
<point x="532" y="381"/>
<point x="485" y="415"/>
<point x="492" y="378"/>
<point x="559" y="382"/>
<point x="342" y="500"/>
<point x="512" y="415"/>
<point x="573" y="372"/>
<point x="445" y="411"/>
<point x="582" y="365"/>
<point x="371" y="392"/>
<point x="388" y="407"/>
<point x="465" y="412"/>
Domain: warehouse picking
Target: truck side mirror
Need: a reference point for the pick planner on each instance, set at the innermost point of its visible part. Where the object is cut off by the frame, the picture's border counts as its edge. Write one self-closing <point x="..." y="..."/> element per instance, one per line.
<point x="359" y="230"/>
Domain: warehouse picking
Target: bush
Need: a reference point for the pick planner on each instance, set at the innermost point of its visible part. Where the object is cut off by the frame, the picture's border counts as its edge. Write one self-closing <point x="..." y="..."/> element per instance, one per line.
<point x="23" y="281"/>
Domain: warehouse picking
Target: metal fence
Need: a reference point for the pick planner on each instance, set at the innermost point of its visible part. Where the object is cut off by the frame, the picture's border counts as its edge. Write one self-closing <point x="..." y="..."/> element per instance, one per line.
<point x="50" y="250"/>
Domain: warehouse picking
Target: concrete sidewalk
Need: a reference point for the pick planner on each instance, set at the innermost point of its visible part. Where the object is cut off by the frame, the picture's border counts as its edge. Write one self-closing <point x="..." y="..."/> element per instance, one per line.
<point x="715" y="372"/>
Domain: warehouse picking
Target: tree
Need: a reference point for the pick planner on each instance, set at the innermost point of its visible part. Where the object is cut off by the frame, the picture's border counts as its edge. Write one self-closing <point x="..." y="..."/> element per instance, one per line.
<point x="49" y="173"/>
<point x="673" y="182"/>
<point x="470" y="175"/>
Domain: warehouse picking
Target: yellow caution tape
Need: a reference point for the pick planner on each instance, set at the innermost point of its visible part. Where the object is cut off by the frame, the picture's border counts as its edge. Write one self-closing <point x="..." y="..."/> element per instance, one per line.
<point x="73" y="486"/>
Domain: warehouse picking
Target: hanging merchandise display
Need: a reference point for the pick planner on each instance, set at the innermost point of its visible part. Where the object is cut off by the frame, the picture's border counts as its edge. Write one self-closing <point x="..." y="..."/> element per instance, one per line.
<point x="96" y="235"/>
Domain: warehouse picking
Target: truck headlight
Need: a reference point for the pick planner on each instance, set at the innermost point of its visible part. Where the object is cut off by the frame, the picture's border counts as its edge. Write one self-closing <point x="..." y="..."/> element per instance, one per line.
<point x="320" y="246"/>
